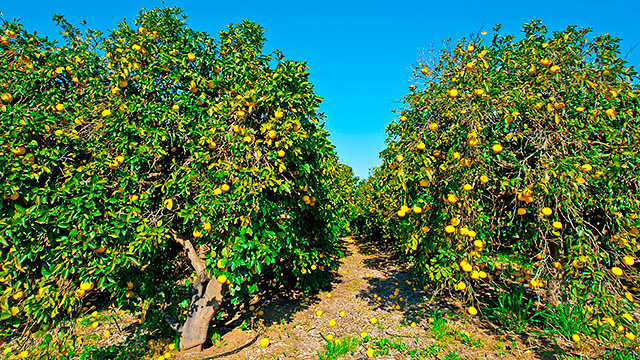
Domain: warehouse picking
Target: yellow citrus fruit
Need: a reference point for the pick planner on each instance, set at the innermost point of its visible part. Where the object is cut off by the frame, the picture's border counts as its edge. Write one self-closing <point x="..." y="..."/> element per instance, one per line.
<point x="280" y="153"/>
<point x="342" y="314"/>
<point x="417" y="209"/>
<point x="546" y="211"/>
<point x="87" y="286"/>
<point x="478" y="244"/>
<point x="369" y="352"/>
<point x="222" y="279"/>
<point x="554" y="69"/>
<point x="466" y="267"/>
<point x="545" y="62"/>
<point x="106" y="113"/>
<point x="628" y="260"/>
<point x="462" y="286"/>
<point x="225" y="187"/>
<point x="6" y="97"/>
<point x="557" y="225"/>
<point x="264" y="342"/>
<point x="449" y="229"/>
<point x="332" y="323"/>
<point x="17" y="295"/>
<point x="20" y="150"/>
<point x="197" y="233"/>
<point x="271" y="134"/>
<point x="484" y="179"/>
<point x="401" y="213"/>
<point x="420" y="146"/>
<point x="319" y="312"/>
<point x="497" y="148"/>
<point x="467" y="187"/>
<point x="557" y="265"/>
<point x="453" y="93"/>
<point x="191" y="56"/>
<point x="433" y="126"/>
<point x="472" y="311"/>
<point x="616" y="271"/>
<point x="329" y="337"/>
<point x="631" y="336"/>
<point x="522" y="211"/>
<point x="575" y="338"/>
<point x="587" y="167"/>
<point x="373" y="321"/>
<point x="278" y="114"/>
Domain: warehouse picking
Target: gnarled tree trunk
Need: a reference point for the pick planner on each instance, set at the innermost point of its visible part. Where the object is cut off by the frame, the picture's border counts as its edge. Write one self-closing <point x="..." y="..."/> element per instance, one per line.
<point x="205" y="302"/>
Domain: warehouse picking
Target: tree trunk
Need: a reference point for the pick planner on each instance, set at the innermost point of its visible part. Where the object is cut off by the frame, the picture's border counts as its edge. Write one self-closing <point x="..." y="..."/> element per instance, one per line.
<point x="205" y="301"/>
<point x="194" y="331"/>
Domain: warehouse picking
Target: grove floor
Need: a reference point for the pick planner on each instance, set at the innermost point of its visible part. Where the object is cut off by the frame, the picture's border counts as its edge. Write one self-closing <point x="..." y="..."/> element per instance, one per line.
<point x="366" y="274"/>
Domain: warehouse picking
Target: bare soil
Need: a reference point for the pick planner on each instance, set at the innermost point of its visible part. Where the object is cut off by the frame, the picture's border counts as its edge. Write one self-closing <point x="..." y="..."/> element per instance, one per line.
<point x="296" y="331"/>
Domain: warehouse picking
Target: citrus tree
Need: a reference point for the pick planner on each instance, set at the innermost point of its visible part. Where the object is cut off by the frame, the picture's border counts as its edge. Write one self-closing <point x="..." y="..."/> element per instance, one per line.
<point x="517" y="160"/>
<point x="341" y="183"/>
<point x="154" y="156"/>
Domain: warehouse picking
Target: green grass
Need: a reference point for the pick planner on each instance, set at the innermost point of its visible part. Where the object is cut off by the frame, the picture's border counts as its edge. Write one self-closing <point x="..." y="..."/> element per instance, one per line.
<point x="625" y="354"/>
<point x="565" y="319"/>
<point x="512" y="310"/>
<point x="439" y="326"/>
<point x="385" y="345"/>
<point x="432" y="351"/>
<point x="339" y="347"/>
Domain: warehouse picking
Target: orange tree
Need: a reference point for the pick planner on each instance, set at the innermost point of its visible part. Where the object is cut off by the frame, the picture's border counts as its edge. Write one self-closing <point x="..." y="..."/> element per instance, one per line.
<point x="341" y="183"/>
<point x="376" y="198"/>
<point x="518" y="159"/>
<point x="155" y="155"/>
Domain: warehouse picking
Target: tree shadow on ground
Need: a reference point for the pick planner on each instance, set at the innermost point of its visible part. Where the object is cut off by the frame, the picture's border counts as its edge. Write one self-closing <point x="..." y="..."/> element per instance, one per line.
<point x="273" y="305"/>
<point x="399" y="286"/>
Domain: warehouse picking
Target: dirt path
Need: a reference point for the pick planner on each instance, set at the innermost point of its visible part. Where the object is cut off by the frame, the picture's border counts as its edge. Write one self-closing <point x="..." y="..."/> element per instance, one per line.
<point x="368" y="285"/>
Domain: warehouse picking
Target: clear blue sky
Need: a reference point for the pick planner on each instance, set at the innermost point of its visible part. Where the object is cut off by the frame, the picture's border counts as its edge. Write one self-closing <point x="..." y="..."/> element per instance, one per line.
<point x="360" y="53"/>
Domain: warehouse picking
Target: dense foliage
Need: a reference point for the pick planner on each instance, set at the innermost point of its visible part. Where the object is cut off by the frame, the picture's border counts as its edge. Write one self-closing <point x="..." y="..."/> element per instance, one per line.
<point x="157" y="154"/>
<point x="516" y="161"/>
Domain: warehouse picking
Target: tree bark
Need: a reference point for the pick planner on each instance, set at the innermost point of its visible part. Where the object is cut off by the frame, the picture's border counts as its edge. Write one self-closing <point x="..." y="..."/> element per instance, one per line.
<point x="205" y="301"/>
<point x="203" y="307"/>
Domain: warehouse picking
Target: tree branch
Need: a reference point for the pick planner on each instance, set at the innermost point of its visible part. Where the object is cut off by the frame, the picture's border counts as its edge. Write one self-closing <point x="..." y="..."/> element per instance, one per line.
<point x="172" y="322"/>
<point x="196" y="261"/>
